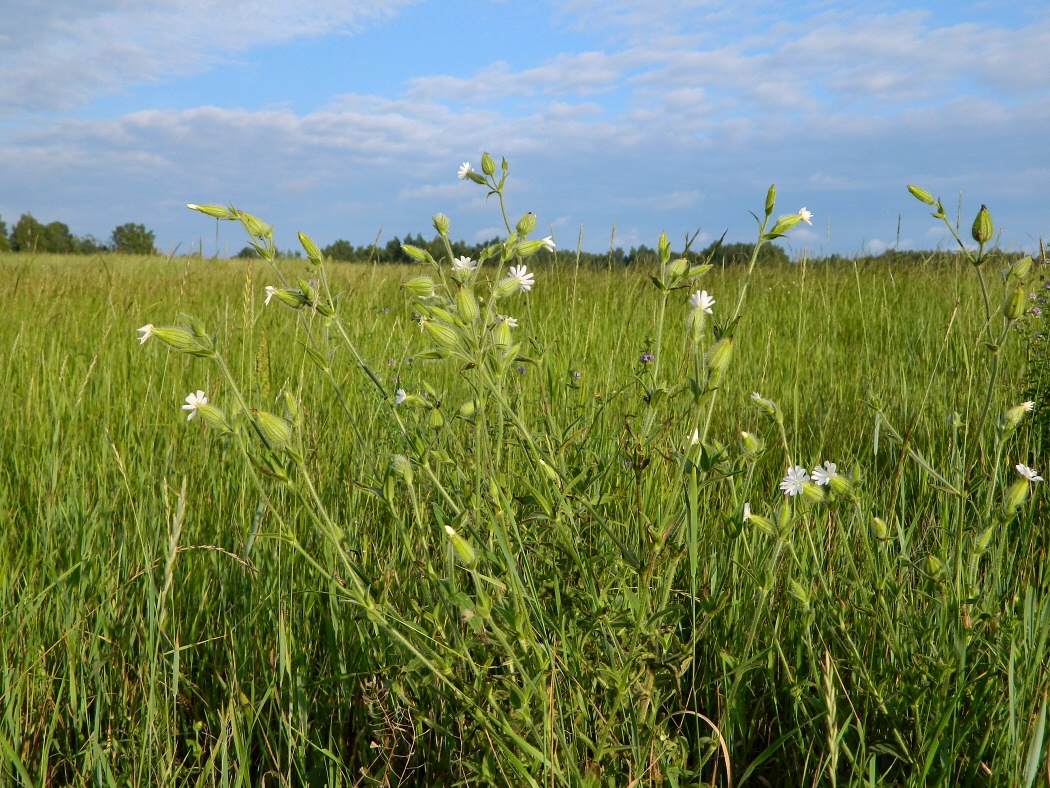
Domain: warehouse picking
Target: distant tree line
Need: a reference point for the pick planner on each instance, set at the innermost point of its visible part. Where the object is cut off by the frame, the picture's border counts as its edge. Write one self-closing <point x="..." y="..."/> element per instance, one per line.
<point x="30" y="235"/>
<point x="392" y="252"/>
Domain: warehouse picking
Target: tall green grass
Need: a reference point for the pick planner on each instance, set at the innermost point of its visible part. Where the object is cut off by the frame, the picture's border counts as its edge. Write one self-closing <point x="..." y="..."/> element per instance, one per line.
<point x="174" y="612"/>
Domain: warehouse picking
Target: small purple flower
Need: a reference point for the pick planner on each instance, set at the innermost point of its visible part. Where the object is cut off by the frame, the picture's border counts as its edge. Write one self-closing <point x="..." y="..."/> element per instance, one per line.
<point x="1031" y="296"/>
<point x="1046" y="285"/>
<point x="1036" y="311"/>
<point x="576" y="375"/>
<point x="647" y="358"/>
<point x="521" y="369"/>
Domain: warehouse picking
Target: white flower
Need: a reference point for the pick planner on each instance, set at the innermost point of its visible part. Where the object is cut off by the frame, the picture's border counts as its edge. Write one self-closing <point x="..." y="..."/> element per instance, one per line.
<point x="824" y="475"/>
<point x="747" y="511"/>
<point x="1029" y="473"/>
<point x="270" y="290"/>
<point x="510" y="321"/>
<point x="806" y="216"/>
<point x="402" y="395"/>
<point x="463" y="265"/>
<point x="464" y="168"/>
<point x="695" y="437"/>
<point x="520" y="274"/>
<point x="796" y="477"/>
<point x="146" y="332"/>
<point x="193" y="402"/>
<point x="1028" y="406"/>
<point x="702" y="301"/>
<point x="548" y="243"/>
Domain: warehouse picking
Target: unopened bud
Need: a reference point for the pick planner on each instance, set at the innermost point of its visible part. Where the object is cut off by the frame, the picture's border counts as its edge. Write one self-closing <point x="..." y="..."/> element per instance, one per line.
<point x="468" y="409"/>
<point x="437" y="421"/>
<point x="1013" y="308"/>
<point x="526" y="224"/>
<point x="922" y="195"/>
<point x="934" y="567"/>
<point x="1016" y="495"/>
<point x="488" y="166"/>
<point x="310" y="248"/>
<point x="719" y="356"/>
<point x="1019" y="268"/>
<point x="771" y="200"/>
<point x="277" y="430"/>
<point x="985" y="539"/>
<point x="440" y="333"/>
<point x="256" y="228"/>
<point x="464" y="551"/>
<point x="813" y="492"/>
<point x="420" y="286"/>
<point x="983" y="229"/>
<point x="880" y="529"/>
<point x="177" y="338"/>
<point x="218" y="211"/>
<point x="842" y="486"/>
<point x="751" y="444"/>
<point x="467" y="305"/>
<point x="441" y="223"/>
<point x="678" y="268"/>
<point x="402" y="467"/>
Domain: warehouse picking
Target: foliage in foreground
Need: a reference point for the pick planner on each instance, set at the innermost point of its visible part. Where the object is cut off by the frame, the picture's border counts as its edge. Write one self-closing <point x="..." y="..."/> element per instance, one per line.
<point x="490" y="569"/>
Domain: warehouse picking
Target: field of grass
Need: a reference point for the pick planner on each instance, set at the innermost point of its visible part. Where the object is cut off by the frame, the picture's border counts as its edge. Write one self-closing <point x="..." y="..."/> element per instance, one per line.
<point x="515" y="565"/>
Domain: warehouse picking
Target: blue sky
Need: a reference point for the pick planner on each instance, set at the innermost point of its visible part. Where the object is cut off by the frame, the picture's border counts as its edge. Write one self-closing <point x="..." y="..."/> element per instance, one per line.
<point x="347" y="120"/>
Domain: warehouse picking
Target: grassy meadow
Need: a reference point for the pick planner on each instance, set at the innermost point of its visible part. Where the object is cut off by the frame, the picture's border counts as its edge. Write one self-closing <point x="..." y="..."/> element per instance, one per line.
<point x="502" y="556"/>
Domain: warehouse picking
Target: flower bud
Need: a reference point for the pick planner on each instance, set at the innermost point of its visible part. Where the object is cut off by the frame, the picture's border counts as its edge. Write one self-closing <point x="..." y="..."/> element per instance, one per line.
<point x="767" y="406"/>
<point x="1016" y="495"/>
<point x="255" y="227"/>
<point x="441" y="224"/>
<point x="985" y="539"/>
<point x="771" y="200"/>
<point x="310" y="248"/>
<point x="402" y="467"/>
<point x="440" y="333"/>
<point x="678" y="268"/>
<point x="420" y="255"/>
<point x="177" y="338"/>
<point x="437" y="421"/>
<point x="488" y="166"/>
<point x="218" y="211"/>
<point x="764" y="524"/>
<point x="813" y="492"/>
<point x="880" y="529"/>
<point x="1013" y="416"/>
<point x="719" y="356"/>
<point x="752" y="445"/>
<point x="663" y="248"/>
<point x="211" y="415"/>
<point x="296" y="299"/>
<point x="784" y="223"/>
<point x="1013" y="307"/>
<point x="467" y="305"/>
<point x="501" y="336"/>
<point x="526" y="224"/>
<point x="1019" y="268"/>
<point x="983" y="229"/>
<point x="922" y="195"/>
<point x="277" y="430"/>
<point x="468" y="409"/>
<point x="420" y="286"/>
<point x="841" y="486"/>
<point x="934" y="567"/>
<point x="464" y="551"/>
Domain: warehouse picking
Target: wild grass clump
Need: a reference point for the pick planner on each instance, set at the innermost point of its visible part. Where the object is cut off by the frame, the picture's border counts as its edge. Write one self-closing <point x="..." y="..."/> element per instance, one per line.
<point x="508" y="522"/>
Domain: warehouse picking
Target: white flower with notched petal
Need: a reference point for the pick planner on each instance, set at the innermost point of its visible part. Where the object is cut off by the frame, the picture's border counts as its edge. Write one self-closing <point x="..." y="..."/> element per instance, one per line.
<point x="794" y="481"/>
<point x="548" y="243"/>
<point x="193" y="402"/>
<point x="806" y="216"/>
<point x="270" y="290"/>
<point x="463" y="265"/>
<point x="823" y="476"/>
<point x="464" y="168"/>
<point x="145" y="333"/>
<point x="703" y="301"/>
<point x="1029" y="473"/>
<point x="509" y="321"/>
<point x="402" y="395"/>
<point x="747" y="511"/>
<point x="521" y="276"/>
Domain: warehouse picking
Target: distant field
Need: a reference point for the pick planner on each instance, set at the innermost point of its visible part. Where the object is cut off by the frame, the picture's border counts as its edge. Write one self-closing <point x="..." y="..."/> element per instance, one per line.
<point x="172" y="612"/>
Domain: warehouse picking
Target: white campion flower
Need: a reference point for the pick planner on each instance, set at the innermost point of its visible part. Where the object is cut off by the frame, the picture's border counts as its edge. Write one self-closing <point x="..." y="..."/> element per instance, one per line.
<point x="193" y="402"/>
<point x="402" y="395"/>
<point x="521" y="276"/>
<point x="702" y="300"/>
<point x="747" y="511"/>
<point x="795" y="480"/>
<point x="509" y="321"/>
<point x="270" y="290"/>
<point x="548" y="243"/>
<point x="695" y="437"/>
<point x="463" y="265"/>
<point x="806" y="216"/>
<point x="823" y="476"/>
<point x="145" y="333"/>
<point x="464" y="168"/>
<point x="1029" y="473"/>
